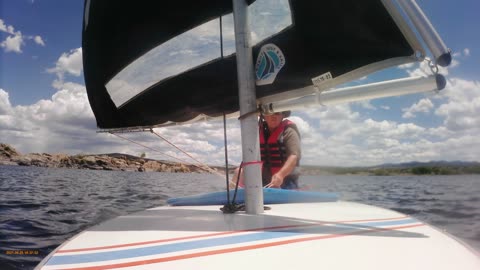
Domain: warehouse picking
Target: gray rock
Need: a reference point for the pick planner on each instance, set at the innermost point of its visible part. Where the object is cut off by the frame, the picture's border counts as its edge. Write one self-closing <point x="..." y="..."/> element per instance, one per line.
<point x="109" y="162"/>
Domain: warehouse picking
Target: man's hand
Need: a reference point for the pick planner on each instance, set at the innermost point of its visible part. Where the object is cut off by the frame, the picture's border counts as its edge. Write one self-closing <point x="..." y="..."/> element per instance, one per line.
<point x="277" y="179"/>
<point x="276" y="182"/>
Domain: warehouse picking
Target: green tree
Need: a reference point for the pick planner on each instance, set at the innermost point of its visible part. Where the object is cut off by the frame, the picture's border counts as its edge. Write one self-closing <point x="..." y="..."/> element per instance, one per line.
<point x="422" y="170"/>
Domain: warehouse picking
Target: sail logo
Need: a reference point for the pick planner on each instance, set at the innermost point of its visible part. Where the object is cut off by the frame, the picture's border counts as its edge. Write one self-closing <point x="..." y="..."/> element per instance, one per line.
<point x="269" y="62"/>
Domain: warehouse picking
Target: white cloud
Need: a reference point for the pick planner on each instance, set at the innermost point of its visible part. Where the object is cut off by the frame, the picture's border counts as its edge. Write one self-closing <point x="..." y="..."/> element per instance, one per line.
<point x="424" y="106"/>
<point x="388" y="129"/>
<point x="68" y="63"/>
<point x="423" y="68"/>
<point x="6" y="28"/>
<point x="49" y="125"/>
<point x="183" y="53"/>
<point x="63" y="123"/>
<point x="302" y="125"/>
<point x="39" y="40"/>
<point x="15" y="40"/>
<point x="5" y="106"/>
<point x="366" y="105"/>
<point x="461" y="110"/>
<point x="356" y="141"/>
<point x="407" y="66"/>
<point x="13" y="44"/>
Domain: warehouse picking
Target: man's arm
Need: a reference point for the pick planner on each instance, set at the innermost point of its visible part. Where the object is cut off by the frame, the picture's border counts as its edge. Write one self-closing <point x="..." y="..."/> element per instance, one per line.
<point x="287" y="168"/>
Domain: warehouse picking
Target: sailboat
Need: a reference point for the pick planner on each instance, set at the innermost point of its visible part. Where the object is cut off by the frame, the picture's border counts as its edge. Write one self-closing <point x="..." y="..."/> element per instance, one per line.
<point x="150" y="64"/>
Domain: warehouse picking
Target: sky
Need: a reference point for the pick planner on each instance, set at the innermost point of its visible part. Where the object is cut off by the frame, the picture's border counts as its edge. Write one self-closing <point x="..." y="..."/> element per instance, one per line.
<point x="44" y="106"/>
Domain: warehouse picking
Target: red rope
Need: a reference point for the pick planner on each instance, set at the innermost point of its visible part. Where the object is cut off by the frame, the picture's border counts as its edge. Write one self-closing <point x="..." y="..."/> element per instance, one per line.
<point x="243" y="164"/>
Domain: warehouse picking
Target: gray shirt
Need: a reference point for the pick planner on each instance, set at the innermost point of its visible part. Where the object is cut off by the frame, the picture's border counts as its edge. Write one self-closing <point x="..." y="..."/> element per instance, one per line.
<point x="291" y="139"/>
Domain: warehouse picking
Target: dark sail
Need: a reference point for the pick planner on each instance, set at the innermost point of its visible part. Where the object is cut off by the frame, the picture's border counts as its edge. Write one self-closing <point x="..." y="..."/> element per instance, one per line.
<point x="334" y="37"/>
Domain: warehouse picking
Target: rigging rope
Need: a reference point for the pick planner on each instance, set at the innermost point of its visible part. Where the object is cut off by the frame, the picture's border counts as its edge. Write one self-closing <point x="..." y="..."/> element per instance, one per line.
<point x="203" y="166"/>
<point x="178" y="148"/>
<point x="221" y="38"/>
<point x="137" y="143"/>
<point x="226" y="155"/>
<point x="231" y="206"/>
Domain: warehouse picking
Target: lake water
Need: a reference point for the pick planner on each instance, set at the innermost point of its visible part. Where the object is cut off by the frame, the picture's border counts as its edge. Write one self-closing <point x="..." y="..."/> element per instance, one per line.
<point x="40" y="208"/>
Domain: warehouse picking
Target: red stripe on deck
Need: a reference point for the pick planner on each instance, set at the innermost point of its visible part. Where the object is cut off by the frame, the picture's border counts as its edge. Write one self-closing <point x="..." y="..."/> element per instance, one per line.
<point x="237" y="249"/>
<point x="220" y="233"/>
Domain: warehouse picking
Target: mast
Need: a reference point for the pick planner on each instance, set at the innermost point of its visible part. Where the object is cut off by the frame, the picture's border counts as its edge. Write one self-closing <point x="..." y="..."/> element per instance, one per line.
<point x="248" y="104"/>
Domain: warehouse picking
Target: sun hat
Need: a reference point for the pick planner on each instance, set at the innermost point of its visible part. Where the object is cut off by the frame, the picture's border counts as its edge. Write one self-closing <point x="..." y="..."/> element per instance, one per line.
<point x="284" y="113"/>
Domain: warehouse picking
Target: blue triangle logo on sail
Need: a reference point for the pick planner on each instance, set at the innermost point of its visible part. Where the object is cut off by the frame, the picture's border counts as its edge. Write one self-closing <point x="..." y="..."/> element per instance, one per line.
<point x="269" y="62"/>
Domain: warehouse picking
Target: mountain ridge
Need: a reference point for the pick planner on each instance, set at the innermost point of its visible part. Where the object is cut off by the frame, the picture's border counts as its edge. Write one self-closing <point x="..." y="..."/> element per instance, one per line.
<point x="435" y="167"/>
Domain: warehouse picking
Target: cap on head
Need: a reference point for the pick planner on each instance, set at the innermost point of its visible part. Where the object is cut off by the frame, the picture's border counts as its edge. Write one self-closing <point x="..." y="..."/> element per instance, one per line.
<point x="284" y="113"/>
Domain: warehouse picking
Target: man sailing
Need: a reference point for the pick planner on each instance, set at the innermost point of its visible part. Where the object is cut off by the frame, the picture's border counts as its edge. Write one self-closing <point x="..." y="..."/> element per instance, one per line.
<point x="280" y="151"/>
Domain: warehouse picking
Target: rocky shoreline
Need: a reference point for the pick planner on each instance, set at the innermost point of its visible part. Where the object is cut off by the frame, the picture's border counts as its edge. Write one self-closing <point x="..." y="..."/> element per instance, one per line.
<point x="109" y="162"/>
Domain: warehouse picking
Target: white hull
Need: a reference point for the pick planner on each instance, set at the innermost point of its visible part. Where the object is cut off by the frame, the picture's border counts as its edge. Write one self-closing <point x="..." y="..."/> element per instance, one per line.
<point x="328" y="235"/>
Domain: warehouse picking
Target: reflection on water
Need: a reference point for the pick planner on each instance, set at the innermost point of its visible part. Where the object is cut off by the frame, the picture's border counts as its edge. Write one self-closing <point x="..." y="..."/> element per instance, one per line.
<point x="40" y="208"/>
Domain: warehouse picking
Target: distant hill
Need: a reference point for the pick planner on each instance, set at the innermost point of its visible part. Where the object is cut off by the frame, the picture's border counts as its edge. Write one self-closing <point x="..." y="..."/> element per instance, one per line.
<point x="408" y="168"/>
<point x="440" y="163"/>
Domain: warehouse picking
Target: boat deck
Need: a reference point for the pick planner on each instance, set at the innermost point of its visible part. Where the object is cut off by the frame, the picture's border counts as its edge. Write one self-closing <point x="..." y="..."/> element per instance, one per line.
<point x="338" y="235"/>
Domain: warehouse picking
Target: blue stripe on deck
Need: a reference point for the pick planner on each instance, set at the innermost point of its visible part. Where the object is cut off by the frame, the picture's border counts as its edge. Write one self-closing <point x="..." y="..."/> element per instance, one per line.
<point x="221" y="241"/>
<point x="155" y="250"/>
